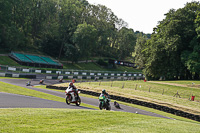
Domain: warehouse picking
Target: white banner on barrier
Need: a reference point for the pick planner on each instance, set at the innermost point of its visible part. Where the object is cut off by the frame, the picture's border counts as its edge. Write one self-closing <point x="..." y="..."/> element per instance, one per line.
<point x="124" y="74"/>
<point x="70" y="77"/>
<point x="99" y="74"/>
<point x="80" y="77"/>
<point x="125" y="78"/>
<point x="104" y="77"/>
<point x="135" y="75"/>
<point x="118" y="77"/>
<point x="140" y="74"/>
<point x="91" y="73"/>
<point x="58" y="72"/>
<point x="48" y="77"/>
<point x="106" y="74"/>
<point x="112" y="74"/>
<point x="129" y="74"/>
<point x="84" y="73"/>
<point x="67" y="72"/>
<point x="11" y="68"/>
<point x="48" y="71"/>
<point x="15" y="75"/>
<point x="25" y="70"/>
<point x="2" y="74"/>
<point x="88" y="77"/>
<point x="118" y="74"/>
<point x="60" y="77"/>
<point x="75" y="73"/>
<point x="38" y="71"/>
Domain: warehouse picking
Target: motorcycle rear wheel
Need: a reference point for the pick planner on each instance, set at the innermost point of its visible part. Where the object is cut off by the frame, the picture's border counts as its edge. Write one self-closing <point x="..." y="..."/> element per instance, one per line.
<point x="108" y="107"/>
<point x="78" y="101"/>
<point x="67" y="100"/>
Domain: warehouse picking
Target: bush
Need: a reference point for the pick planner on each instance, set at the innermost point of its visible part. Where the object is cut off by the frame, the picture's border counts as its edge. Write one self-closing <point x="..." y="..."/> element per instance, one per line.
<point x="101" y="62"/>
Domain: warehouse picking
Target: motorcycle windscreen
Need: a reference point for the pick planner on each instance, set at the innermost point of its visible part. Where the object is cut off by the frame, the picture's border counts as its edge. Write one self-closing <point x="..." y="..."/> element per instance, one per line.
<point x="101" y="99"/>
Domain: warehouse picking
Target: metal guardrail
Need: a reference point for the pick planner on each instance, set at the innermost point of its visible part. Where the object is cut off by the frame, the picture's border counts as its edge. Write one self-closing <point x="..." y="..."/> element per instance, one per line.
<point x="70" y="72"/>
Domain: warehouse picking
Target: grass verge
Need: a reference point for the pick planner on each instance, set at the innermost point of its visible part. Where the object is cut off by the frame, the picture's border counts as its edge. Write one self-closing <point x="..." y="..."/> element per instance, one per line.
<point x="61" y="120"/>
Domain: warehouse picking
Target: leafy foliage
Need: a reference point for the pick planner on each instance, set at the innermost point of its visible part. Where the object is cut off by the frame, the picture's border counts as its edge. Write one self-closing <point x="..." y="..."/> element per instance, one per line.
<point x="173" y="50"/>
<point x="71" y="29"/>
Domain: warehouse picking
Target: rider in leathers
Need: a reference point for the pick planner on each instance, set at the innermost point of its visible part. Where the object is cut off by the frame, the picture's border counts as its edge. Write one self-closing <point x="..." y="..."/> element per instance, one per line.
<point x="74" y="89"/>
<point x="105" y="94"/>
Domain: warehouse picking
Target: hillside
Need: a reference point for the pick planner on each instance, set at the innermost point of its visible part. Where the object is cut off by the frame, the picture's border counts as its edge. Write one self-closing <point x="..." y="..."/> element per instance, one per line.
<point x="5" y="60"/>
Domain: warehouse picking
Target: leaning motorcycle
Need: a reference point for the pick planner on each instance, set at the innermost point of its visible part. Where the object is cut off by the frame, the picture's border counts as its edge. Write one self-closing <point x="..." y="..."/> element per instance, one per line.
<point x="104" y="103"/>
<point x="71" y="96"/>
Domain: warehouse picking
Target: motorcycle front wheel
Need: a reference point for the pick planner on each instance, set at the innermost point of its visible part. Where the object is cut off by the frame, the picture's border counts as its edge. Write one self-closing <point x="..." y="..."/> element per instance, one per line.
<point x="100" y="105"/>
<point x="67" y="100"/>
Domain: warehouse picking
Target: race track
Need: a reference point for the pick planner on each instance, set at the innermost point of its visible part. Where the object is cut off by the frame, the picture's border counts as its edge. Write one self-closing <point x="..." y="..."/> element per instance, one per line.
<point x="19" y="101"/>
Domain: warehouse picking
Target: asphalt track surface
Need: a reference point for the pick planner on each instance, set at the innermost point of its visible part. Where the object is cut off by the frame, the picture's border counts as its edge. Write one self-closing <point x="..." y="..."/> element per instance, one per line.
<point x="19" y="101"/>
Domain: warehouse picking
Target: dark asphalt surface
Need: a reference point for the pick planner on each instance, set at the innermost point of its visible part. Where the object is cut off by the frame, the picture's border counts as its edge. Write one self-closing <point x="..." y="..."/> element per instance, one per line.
<point x="8" y="100"/>
<point x="19" y="101"/>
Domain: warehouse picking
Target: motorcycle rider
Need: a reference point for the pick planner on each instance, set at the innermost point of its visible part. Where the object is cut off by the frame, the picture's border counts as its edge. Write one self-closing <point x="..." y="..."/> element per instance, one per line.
<point x="28" y="83"/>
<point x="74" y="89"/>
<point x="41" y="81"/>
<point x="105" y="95"/>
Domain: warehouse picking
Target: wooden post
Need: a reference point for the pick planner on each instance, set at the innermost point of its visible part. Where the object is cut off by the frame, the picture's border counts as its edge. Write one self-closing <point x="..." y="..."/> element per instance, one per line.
<point x="111" y="84"/>
<point x="123" y="85"/>
<point x="99" y="83"/>
<point x="136" y="87"/>
<point x="149" y="89"/>
<point x="163" y="91"/>
<point x="177" y="95"/>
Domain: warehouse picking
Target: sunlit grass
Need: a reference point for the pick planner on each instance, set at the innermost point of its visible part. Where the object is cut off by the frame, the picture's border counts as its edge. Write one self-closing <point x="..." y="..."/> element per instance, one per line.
<point x="68" y="120"/>
<point x="152" y="92"/>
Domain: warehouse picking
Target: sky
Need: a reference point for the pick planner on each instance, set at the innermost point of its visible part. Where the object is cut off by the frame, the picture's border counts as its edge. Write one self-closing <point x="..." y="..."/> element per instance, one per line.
<point x="141" y="15"/>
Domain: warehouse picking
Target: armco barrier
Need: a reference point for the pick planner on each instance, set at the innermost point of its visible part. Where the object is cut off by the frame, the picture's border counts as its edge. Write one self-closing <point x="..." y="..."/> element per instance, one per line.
<point x="91" y="77"/>
<point x="85" y="73"/>
<point x="31" y="76"/>
<point x="138" y="102"/>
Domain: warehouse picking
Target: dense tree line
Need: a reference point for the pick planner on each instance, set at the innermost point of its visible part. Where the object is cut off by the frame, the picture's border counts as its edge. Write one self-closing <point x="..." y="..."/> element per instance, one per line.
<point x="173" y="52"/>
<point x="72" y="29"/>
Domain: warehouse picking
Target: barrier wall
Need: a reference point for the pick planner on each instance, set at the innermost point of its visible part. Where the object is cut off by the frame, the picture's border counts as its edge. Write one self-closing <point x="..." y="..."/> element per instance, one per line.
<point x="78" y="74"/>
<point x="93" y="77"/>
<point x="31" y="76"/>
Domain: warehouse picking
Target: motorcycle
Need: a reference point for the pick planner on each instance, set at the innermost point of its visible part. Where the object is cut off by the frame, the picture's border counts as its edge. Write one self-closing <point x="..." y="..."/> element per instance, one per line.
<point x="104" y="103"/>
<point x="41" y="81"/>
<point x="28" y="83"/>
<point x="71" y="97"/>
<point x="116" y="104"/>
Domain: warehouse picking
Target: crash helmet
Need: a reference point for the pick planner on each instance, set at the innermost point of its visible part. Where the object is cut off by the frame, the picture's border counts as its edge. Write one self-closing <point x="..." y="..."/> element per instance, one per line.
<point x="103" y="91"/>
<point x="71" y="84"/>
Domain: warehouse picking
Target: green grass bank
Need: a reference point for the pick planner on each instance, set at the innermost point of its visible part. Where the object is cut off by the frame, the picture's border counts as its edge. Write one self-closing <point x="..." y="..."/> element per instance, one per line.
<point x="62" y="120"/>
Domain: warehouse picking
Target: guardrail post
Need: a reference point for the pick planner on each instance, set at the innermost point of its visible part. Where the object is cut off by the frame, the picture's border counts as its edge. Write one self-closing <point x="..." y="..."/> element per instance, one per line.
<point x="163" y="91"/>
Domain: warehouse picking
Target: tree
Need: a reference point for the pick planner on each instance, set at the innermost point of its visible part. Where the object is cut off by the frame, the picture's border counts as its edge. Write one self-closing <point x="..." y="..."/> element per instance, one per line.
<point x="126" y="42"/>
<point x="140" y="47"/>
<point x="173" y="47"/>
<point x="85" y="38"/>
